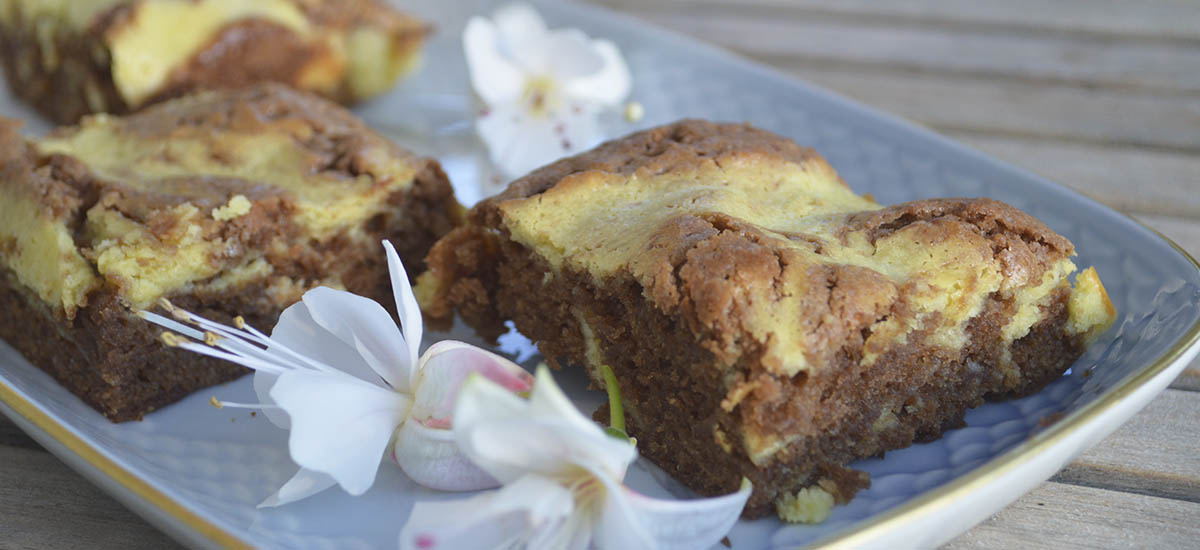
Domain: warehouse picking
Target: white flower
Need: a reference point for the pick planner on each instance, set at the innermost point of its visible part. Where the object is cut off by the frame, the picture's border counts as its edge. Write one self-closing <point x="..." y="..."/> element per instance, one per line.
<point x="338" y="373"/>
<point x="562" y="484"/>
<point x="542" y="89"/>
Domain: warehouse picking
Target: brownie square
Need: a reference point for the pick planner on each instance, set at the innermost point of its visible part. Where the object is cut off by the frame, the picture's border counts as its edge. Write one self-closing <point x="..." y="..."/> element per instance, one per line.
<point x="762" y="320"/>
<point x="227" y="203"/>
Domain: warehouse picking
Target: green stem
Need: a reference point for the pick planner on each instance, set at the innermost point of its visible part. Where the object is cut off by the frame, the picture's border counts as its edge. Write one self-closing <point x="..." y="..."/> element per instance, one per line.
<point x="616" y="413"/>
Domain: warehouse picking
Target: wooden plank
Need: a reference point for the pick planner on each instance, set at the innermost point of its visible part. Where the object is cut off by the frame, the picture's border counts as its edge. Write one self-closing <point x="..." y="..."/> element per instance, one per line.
<point x="1022" y="110"/>
<point x="43" y="504"/>
<point x="1112" y="62"/>
<point x="1151" y="19"/>
<point x="1167" y="183"/>
<point x="1067" y="517"/>
<point x="1156" y="453"/>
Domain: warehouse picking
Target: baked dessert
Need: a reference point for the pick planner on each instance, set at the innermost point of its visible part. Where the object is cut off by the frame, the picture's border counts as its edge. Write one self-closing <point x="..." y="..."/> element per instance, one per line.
<point x="223" y="202"/>
<point x="761" y="319"/>
<point x="69" y="58"/>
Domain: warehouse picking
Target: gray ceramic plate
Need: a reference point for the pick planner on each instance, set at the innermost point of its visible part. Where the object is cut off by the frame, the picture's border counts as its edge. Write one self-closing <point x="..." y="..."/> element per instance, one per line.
<point x="197" y="472"/>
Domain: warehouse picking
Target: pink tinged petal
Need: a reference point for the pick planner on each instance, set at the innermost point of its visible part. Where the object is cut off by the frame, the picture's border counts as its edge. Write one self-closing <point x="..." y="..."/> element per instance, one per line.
<point x="676" y="524"/>
<point x="609" y="85"/>
<point x="406" y="308"/>
<point x="431" y="457"/>
<point x="340" y="425"/>
<point x="524" y="514"/>
<point x="495" y="78"/>
<point x="444" y="367"/>
<point x="364" y="325"/>
<point x="304" y="484"/>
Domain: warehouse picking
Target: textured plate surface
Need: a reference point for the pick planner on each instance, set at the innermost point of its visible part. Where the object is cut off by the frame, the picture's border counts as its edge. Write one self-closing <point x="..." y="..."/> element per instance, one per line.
<point x="197" y="472"/>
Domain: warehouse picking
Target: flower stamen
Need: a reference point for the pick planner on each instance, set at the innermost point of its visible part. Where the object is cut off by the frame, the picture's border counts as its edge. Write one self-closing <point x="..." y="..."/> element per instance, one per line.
<point x="241" y="343"/>
<point x="540" y="95"/>
<point x="170" y="339"/>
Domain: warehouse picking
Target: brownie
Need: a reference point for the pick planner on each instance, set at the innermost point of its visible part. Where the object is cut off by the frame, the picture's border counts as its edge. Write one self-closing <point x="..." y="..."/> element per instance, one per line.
<point x="761" y="319"/>
<point x="226" y="203"/>
<point x="69" y="58"/>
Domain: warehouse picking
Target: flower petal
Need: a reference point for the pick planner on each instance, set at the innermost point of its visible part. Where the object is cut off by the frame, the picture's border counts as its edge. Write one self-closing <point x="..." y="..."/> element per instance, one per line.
<point x="560" y="55"/>
<point x="548" y="401"/>
<point x="407" y="309"/>
<point x="299" y="332"/>
<point x="430" y="456"/>
<point x="340" y="425"/>
<point x="608" y="85"/>
<point x="495" y="79"/>
<point x="518" y="25"/>
<point x="304" y="484"/>
<point x="519" y="141"/>
<point x="521" y="515"/>
<point x="444" y="367"/>
<point x="363" y="324"/>
<point x="634" y="520"/>
<point x="509" y="437"/>
<point x="262" y="387"/>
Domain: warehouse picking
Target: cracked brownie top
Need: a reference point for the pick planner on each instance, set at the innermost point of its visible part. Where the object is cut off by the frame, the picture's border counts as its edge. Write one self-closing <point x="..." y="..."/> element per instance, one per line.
<point x="760" y="242"/>
<point x="200" y="193"/>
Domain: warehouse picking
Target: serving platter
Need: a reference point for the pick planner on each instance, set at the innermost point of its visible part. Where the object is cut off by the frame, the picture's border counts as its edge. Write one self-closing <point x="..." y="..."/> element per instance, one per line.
<point x="196" y="472"/>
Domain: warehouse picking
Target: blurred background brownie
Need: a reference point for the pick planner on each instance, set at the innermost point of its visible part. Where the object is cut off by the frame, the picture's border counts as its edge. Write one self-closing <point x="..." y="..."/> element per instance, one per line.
<point x="226" y="203"/>
<point x="69" y="58"/>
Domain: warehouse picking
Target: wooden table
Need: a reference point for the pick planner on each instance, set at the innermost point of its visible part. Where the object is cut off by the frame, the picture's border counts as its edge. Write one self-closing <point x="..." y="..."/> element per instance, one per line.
<point x="1101" y="95"/>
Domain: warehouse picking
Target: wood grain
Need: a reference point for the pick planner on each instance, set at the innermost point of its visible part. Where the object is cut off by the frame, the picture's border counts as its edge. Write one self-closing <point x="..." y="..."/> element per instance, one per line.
<point x="1167" y="67"/>
<point x="43" y="505"/>
<point x="1068" y="517"/>
<point x="1152" y="19"/>
<point x="1020" y="110"/>
<point x="1116" y="176"/>
<point x="1153" y="453"/>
